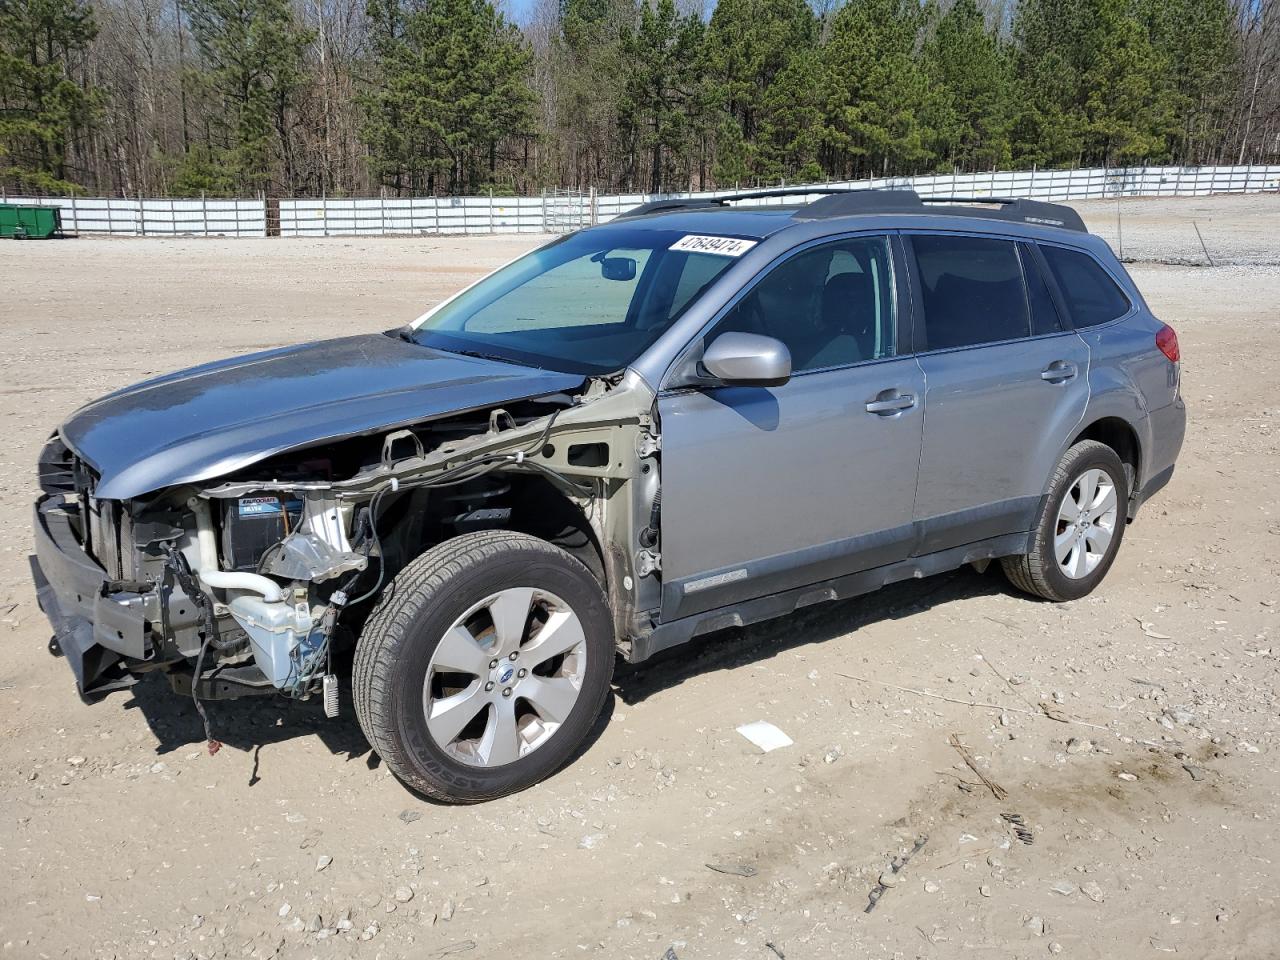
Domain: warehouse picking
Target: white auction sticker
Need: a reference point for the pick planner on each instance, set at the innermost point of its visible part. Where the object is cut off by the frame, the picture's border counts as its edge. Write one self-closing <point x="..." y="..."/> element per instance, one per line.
<point x="721" y="246"/>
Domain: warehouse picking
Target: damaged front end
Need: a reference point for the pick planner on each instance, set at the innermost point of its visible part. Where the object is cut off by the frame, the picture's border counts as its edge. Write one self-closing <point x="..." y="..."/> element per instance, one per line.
<point x="155" y="584"/>
<point x="260" y="580"/>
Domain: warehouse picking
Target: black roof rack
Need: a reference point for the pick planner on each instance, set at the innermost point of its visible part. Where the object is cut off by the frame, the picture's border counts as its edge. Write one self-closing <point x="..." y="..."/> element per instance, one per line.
<point x="849" y="201"/>
<point x="703" y="203"/>
<point x="1014" y="209"/>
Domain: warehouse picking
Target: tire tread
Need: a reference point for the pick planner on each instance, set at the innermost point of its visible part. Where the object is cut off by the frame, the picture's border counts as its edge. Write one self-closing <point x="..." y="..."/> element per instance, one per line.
<point x="1026" y="571"/>
<point x="417" y="585"/>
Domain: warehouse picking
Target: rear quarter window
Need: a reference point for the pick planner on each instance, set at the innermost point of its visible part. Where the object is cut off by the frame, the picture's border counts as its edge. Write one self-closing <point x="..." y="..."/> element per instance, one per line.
<point x="1092" y="297"/>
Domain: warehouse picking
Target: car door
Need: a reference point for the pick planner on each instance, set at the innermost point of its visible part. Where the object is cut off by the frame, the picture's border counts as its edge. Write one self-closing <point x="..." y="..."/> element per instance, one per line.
<point x="1006" y="383"/>
<point x="769" y="488"/>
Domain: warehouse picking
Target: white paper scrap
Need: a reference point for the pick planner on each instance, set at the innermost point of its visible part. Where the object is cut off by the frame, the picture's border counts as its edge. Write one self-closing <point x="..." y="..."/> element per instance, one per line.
<point x="765" y="735"/>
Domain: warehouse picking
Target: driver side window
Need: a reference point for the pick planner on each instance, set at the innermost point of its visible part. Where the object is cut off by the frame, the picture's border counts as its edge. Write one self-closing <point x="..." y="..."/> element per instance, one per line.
<point x="832" y="305"/>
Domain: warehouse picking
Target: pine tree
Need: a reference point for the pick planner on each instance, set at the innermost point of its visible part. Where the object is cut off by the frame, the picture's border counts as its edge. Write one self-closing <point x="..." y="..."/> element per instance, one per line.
<point x="881" y="112"/>
<point x="791" y="118"/>
<point x="972" y="71"/>
<point x="41" y="104"/>
<point x="749" y="45"/>
<point x="252" y="51"/>
<point x="662" y="92"/>
<point x="589" y="74"/>
<point x="1197" y="40"/>
<point x="449" y="87"/>
<point x="1095" y="89"/>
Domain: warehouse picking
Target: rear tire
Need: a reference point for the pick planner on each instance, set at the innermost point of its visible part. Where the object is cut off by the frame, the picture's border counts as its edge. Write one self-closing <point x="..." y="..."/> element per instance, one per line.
<point x="433" y="652"/>
<point x="1080" y="526"/>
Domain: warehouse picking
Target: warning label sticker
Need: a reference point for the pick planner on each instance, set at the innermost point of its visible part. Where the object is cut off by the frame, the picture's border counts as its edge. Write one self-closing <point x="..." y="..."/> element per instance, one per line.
<point x="721" y="246"/>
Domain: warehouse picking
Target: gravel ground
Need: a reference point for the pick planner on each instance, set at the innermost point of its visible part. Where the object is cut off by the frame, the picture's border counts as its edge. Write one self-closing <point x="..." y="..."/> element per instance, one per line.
<point x="1126" y="743"/>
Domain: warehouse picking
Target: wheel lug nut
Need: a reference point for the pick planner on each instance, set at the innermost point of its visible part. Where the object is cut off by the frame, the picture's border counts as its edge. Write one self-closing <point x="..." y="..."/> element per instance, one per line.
<point x="488" y="686"/>
<point x="493" y="664"/>
<point x="521" y="672"/>
<point x="514" y="654"/>
<point x="506" y="691"/>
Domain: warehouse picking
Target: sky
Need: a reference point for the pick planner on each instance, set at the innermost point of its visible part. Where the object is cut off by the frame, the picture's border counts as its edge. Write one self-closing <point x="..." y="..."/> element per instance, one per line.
<point x="519" y="10"/>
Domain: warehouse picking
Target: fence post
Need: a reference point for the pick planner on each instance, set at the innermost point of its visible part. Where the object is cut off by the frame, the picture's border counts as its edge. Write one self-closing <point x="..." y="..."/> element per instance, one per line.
<point x="493" y="227"/>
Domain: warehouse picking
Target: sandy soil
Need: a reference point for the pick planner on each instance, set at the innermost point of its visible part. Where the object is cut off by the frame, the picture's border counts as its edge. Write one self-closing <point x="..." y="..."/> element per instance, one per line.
<point x="1154" y="833"/>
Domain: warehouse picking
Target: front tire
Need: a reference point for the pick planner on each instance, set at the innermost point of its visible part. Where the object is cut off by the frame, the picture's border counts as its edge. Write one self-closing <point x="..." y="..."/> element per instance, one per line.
<point x="1080" y="526"/>
<point x="484" y="666"/>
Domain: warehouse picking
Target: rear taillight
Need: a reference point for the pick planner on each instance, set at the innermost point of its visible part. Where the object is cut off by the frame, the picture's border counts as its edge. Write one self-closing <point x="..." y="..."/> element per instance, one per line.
<point x="1167" y="341"/>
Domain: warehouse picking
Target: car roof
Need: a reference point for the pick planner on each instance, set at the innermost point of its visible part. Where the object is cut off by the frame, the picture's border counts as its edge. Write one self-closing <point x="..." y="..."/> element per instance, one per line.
<point x="843" y="209"/>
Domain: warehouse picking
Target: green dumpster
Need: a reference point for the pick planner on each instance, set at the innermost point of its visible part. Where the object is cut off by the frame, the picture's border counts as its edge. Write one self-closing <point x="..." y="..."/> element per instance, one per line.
<point x="37" y="223"/>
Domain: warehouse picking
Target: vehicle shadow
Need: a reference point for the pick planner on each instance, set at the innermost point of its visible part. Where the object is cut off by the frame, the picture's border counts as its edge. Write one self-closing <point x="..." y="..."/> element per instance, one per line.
<point x="738" y="646"/>
<point x="249" y="723"/>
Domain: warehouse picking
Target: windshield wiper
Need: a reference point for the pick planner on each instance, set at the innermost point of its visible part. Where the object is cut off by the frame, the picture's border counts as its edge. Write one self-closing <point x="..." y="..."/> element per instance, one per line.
<point x="488" y="356"/>
<point x="405" y="333"/>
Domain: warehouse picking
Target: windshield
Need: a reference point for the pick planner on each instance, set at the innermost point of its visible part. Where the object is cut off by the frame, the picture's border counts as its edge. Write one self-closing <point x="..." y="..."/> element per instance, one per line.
<point x="590" y="303"/>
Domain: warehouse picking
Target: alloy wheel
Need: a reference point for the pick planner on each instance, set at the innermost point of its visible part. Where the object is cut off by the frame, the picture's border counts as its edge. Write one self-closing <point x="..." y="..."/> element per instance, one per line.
<point x="1086" y="523"/>
<point x="504" y="677"/>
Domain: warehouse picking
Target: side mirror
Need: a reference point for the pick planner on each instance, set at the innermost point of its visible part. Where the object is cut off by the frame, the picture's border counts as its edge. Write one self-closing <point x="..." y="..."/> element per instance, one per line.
<point x="748" y="360"/>
<point x="618" y="268"/>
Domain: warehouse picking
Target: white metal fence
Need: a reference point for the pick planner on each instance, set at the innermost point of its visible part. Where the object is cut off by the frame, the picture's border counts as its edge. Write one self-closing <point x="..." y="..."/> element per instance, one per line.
<point x="561" y="211"/>
<point x="157" y="217"/>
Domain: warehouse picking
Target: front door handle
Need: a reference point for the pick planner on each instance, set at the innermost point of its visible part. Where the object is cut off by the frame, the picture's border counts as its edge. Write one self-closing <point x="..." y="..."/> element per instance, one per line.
<point x="888" y="403"/>
<point x="1060" y="371"/>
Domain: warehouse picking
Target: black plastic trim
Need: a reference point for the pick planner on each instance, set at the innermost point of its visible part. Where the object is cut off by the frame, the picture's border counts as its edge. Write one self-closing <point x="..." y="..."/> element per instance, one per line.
<point x="685" y="629"/>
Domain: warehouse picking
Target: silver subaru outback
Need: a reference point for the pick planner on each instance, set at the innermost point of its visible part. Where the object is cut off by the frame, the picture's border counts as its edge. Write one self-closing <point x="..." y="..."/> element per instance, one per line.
<point x="703" y="414"/>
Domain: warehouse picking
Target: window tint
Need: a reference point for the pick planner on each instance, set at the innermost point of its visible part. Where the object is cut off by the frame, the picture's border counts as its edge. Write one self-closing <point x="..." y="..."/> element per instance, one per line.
<point x="972" y="290"/>
<point x="831" y="305"/>
<point x="1092" y="296"/>
<point x="589" y="303"/>
<point x="570" y="294"/>
<point x="699" y="270"/>
<point x="1044" y="314"/>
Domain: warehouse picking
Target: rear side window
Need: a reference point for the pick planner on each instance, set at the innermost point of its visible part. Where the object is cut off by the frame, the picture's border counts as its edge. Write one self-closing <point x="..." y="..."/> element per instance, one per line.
<point x="972" y="290"/>
<point x="1092" y="296"/>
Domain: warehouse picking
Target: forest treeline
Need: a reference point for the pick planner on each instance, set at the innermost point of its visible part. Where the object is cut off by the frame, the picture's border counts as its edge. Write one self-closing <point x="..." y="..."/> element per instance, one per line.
<point x="352" y="97"/>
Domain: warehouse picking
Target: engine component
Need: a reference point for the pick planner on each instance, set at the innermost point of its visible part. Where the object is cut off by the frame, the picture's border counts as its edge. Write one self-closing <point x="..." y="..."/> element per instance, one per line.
<point x="318" y="549"/>
<point x="252" y="524"/>
<point x="207" y="555"/>
<point x="283" y="638"/>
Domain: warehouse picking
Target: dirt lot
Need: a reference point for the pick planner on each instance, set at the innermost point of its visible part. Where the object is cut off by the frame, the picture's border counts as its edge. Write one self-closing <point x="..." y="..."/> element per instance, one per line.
<point x="1155" y="832"/>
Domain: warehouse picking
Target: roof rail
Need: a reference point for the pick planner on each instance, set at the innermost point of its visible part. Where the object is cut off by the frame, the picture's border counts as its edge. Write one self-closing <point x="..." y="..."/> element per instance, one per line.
<point x="666" y="206"/>
<point x="702" y="203"/>
<point x="852" y="201"/>
<point x="1012" y="209"/>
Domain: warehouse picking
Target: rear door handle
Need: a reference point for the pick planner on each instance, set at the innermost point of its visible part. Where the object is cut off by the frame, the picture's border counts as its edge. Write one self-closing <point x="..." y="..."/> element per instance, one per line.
<point x="1060" y="371"/>
<point x="890" y="402"/>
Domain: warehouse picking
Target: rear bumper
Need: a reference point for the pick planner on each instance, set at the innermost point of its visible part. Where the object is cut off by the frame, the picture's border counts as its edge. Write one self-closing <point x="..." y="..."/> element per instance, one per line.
<point x="1167" y="428"/>
<point x="102" y="635"/>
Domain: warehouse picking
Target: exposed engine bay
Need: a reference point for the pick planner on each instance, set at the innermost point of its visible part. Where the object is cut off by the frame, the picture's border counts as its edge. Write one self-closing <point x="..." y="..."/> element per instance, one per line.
<point x="259" y="580"/>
